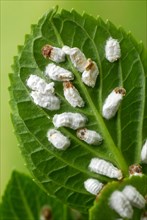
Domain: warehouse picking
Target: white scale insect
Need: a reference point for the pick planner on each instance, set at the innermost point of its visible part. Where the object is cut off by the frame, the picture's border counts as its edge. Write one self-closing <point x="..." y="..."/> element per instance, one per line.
<point x="106" y="168"/>
<point x="57" y="73"/>
<point x="89" y="136"/>
<point x="69" y="119"/>
<point x="36" y="83"/>
<point x="112" y="50"/>
<point x="121" y="204"/>
<point x="72" y="95"/>
<point x="112" y="102"/>
<point x="58" y="140"/>
<point x="90" y="73"/>
<point x="144" y="153"/>
<point x="135" y="198"/>
<point x="43" y="94"/>
<point x="53" y="53"/>
<point x="93" y="186"/>
<point x="77" y="57"/>
<point x="50" y="102"/>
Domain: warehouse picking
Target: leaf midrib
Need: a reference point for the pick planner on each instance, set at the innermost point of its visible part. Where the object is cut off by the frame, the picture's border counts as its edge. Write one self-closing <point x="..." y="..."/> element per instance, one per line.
<point x="61" y="158"/>
<point x="118" y="122"/>
<point x="117" y="154"/>
<point x="76" y="139"/>
<point x="103" y="178"/>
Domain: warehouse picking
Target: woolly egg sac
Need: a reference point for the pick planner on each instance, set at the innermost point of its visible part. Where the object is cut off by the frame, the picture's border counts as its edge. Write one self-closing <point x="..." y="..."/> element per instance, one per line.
<point x="43" y="93"/>
<point x="113" y="102"/>
<point x="57" y="139"/>
<point x="89" y="136"/>
<point x="93" y="186"/>
<point x="53" y="53"/>
<point x="58" y="73"/>
<point x="77" y="57"/>
<point x="112" y="50"/>
<point x="135" y="198"/>
<point x="121" y="204"/>
<point x="90" y="73"/>
<point x="72" y="95"/>
<point x="69" y="119"/>
<point x="106" y="168"/>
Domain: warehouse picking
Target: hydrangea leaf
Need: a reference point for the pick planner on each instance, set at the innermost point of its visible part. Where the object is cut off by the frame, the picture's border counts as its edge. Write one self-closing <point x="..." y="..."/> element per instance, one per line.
<point x="24" y="200"/>
<point x="62" y="173"/>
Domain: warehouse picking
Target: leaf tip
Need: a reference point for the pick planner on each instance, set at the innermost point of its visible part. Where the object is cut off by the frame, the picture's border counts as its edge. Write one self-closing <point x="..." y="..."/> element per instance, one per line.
<point x="83" y="13"/>
<point x="33" y="26"/>
<point x="14" y="173"/>
<point x="119" y="27"/>
<point x="107" y="21"/>
<point x="100" y="20"/>
<point x="97" y="17"/>
<point x="55" y="8"/>
<point x="26" y="38"/>
<point x="19" y="48"/>
<point x="72" y="10"/>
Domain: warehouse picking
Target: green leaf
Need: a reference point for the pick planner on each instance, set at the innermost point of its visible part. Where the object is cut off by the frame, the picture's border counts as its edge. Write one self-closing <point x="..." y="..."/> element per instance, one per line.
<point x="62" y="174"/>
<point x="101" y="210"/>
<point x="24" y="200"/>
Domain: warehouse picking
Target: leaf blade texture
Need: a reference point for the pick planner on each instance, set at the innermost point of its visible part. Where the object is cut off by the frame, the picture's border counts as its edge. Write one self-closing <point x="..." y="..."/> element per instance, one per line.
<point x="24" y="200"/>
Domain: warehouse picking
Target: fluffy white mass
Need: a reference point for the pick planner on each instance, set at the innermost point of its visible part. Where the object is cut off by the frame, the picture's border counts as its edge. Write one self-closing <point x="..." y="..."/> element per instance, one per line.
<point x="93" y="186"/>
<point x="134" y="196"/>
<point x="112" y="50"/>
<point x="58" y="73"/>
<point x="72" y="95"/>
<point x="106" y="168"/>
<point x="36" y="83"/>
<point x="90" y="73"/>
<point x="89" y="136"/>
<point x="77" y="57"/>
<point x="58" y="140"/>
<point x="121" y="204"/>
<point x="43" y="93"/>
<point x="53" y="53"/>
<point x="50" y="102"/>
<point x="112" y="102"/>
<point x="69" y="119"/>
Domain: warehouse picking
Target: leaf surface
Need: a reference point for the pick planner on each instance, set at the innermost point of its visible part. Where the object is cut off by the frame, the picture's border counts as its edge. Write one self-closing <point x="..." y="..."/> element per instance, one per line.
<point x="62" y="174"/>
<point x="24" y="200"/>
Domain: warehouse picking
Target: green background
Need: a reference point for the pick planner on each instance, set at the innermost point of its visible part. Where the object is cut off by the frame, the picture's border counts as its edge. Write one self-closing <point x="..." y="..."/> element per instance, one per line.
<point x="16" y="18"/>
